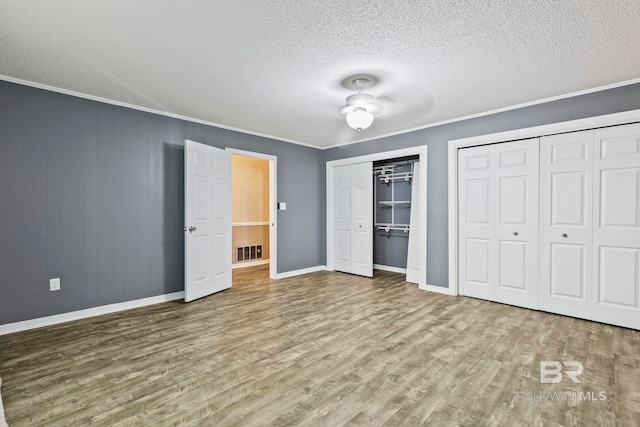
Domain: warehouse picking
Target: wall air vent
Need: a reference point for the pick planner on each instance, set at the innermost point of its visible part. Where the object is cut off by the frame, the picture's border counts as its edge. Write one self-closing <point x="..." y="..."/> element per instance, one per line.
<point x="248" y="253"/>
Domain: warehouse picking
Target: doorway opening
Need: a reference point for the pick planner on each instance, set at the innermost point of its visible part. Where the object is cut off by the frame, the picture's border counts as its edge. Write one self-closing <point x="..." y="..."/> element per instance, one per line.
<point x="341" y="239"/>
<point x="253" y="194"/>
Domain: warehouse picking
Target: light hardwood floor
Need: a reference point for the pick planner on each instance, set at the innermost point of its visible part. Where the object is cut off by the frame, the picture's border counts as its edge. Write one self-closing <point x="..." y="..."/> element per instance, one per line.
<point x="325" y="349"/>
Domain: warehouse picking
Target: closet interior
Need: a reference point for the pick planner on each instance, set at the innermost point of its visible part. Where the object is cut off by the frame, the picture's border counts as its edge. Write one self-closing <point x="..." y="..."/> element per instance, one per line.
<point x="394" y="185"/>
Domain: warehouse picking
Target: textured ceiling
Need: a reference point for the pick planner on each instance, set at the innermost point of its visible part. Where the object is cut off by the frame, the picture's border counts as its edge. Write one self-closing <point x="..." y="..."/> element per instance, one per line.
<point x="278" y="67"/>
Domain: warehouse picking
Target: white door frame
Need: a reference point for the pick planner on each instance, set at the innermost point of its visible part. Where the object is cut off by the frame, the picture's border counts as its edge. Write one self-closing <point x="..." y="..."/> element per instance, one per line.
<point x="532" y="132"/>
<point x="420" y="151"/>
<point x="273" y="217"/>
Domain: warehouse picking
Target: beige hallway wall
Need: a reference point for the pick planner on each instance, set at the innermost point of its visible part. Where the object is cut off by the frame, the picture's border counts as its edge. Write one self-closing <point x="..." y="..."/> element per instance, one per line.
<point x="250" y="203"/>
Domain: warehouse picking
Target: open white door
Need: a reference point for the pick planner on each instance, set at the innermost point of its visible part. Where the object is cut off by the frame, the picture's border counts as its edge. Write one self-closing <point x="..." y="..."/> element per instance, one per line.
<point x="353" y="216"/>
<point x="415" y="270"/>
<point x="207" y="178"/>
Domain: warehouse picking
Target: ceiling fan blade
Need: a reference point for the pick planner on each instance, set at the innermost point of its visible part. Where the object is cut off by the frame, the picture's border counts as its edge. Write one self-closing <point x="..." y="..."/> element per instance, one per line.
<point x="384" y="99"/>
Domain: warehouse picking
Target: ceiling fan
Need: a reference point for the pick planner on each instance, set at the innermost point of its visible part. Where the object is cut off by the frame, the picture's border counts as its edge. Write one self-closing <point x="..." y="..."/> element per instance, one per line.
<point x="361" y="108"/>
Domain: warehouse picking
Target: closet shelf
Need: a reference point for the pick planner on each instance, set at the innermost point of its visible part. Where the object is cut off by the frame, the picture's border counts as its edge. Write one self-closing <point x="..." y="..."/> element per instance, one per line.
<point x="390" y="203"/>
<point x="388" y="227"/>
<point x="404" y="176"/>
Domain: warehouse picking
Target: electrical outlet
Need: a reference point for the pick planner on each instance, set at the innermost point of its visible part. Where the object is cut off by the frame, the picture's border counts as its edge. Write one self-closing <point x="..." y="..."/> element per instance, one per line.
<point x="54" y="284"/>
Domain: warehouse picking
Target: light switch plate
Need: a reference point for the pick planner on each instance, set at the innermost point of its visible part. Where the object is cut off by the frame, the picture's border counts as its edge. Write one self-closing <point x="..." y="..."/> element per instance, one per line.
<point x="54" y="284"/>
<point x="282" y="206"/>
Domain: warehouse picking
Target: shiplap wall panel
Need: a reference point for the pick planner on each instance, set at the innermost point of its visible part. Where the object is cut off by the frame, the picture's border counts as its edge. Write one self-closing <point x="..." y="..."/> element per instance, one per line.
<point x="54" y="205"/>
<point x="91" y="202"/>
<point x="144" y="205"/>
<point x="34" y="202"/>
<point x="156" y="160"/>
<point x="130" y="205"/>
<point x="119" y="220"/>
<point x="11" y="210"/>
<point x="106" y="249"/>
<point x="73" y="223"/>
<point x="172" y="207"/>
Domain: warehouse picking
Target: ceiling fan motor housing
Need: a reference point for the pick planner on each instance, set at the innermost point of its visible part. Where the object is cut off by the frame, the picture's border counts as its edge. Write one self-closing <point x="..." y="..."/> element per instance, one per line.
<point x="361" y="100"/>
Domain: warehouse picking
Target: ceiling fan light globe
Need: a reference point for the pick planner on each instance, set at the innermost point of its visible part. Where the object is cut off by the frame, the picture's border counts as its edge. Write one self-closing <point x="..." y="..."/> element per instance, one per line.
<point x="359" y="119"/>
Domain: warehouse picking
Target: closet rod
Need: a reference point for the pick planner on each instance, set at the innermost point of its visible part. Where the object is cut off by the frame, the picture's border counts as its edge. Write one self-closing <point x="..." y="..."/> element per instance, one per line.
<point x="389" y="227"/>
<point x="405" y="176"/>
<point x="383" y="175"/>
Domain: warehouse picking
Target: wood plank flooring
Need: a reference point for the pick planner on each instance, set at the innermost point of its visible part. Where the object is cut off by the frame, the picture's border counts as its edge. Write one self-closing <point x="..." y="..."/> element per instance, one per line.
<point x="325" y="349"/>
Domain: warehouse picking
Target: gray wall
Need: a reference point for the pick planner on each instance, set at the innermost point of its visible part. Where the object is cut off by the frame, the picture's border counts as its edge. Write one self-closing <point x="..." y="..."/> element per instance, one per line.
<point x="594" y="104"/>
<point x="93" y="193"/>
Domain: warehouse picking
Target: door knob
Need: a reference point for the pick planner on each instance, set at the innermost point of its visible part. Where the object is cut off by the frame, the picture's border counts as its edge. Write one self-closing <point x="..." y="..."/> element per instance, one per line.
<point x="192" y="228"/>
<point x="515" y="233"/>
<point x="565" y="235"/>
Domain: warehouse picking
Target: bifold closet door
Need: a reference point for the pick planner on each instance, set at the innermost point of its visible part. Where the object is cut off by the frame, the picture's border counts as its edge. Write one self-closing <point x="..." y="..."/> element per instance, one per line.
<point x="566" y="192"/>
<point x="616" y="231"/>
<point x="353" y="218"/>
<point x="475" y="221"/>
<point x="498" y="222"/>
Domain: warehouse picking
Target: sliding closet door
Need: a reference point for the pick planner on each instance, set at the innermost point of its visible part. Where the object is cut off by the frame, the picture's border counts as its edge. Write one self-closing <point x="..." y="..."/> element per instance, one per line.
<point x="353" y="218"/>
<point x="566" y="182"/>
<point x="616" y="231"/>
<point x="498" y="222"/>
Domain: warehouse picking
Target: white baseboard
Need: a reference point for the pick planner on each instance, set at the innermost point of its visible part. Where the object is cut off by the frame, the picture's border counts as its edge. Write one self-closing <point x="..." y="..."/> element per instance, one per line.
<point x="293" y="273"/>
<point x="244" y="264"/>
<point x="389" y="268"/>
<point x="40" y="322"/>
<point x="438" y="289"/>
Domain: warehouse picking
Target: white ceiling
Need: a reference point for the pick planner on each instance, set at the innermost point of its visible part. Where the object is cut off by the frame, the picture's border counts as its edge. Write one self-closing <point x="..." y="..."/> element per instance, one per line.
<point x="278" y="67"/>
